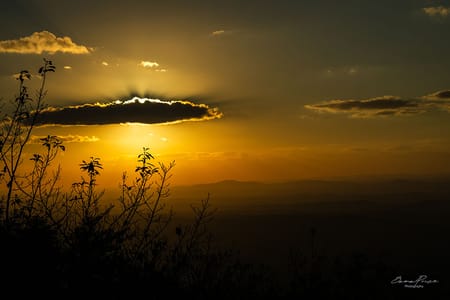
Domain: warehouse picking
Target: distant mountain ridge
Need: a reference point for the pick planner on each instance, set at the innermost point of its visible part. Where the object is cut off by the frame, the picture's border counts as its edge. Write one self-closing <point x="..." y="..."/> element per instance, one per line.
<point x="332" y="186"/>
<point x="235" y="193"/>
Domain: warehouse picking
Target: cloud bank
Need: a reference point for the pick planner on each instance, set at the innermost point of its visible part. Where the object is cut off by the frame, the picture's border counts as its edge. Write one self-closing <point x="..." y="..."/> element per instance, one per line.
<point x="40" y="42"/>
<point x="385" y="105"/>
<point x="136" y="110"/>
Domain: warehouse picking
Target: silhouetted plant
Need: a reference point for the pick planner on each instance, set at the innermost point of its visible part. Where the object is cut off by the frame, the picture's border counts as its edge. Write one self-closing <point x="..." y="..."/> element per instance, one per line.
<point x="141" y="214"/>
<point x="84" y="193"/>
<point x="39" y="189"/>
<point x="16" y="131"/>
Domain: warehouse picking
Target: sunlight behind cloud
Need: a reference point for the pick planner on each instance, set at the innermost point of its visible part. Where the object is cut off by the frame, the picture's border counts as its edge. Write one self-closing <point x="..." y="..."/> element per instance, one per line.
<point x="135" y="110"/>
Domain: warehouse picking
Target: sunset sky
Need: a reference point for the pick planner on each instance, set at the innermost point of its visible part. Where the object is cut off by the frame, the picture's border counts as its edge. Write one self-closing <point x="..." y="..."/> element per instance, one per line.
<point x="260" y="90"/>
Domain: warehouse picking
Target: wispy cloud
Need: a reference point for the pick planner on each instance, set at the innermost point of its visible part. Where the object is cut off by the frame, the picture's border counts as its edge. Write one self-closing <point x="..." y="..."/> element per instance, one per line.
<point x="43" y="41"/>
<point x="385" y="105"/>
<point x="104" y="63"/>
<point x="348" y="71"/>
<point x="220" y="32"/>
<point x="136" y="110"/>
<point x="153" y="65"/>
<point x="79" y="139"/>
<point x="437" y="11"/>
<point x="148" y="64"/>
<point x="352" y="71"/>
<point x="67" y="68"/>
<point x="36" y="139"/>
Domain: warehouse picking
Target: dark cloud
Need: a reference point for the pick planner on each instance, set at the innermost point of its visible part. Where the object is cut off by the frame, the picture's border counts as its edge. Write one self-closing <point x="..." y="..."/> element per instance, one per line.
<point x="136" y="110"/>
<point x="385" y="105"/>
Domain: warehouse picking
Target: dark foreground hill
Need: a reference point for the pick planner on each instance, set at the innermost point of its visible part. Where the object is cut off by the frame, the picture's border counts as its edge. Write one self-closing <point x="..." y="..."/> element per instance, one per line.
<point x="296" y="240"/>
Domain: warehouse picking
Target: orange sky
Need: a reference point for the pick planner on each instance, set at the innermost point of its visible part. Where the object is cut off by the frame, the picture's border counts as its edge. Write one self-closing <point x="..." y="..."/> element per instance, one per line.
<point x="304" y="92"/>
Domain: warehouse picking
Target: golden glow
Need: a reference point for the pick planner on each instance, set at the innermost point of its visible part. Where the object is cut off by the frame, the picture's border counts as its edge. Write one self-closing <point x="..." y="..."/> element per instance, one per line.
<point x="214" y="151"/>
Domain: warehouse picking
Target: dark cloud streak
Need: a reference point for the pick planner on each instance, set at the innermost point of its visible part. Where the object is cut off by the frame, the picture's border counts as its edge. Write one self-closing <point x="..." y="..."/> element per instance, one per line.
<point x="375" y="103"/>
<point x="385" y="105"/>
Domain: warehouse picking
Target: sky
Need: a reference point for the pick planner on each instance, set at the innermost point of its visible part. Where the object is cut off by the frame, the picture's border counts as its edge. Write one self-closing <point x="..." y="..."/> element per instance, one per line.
<point x="246" y="90"/>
